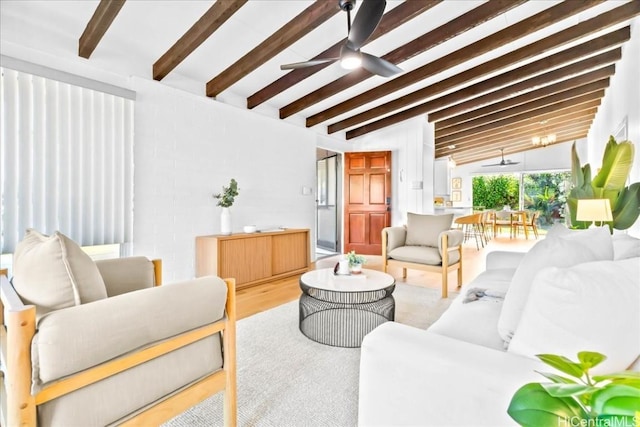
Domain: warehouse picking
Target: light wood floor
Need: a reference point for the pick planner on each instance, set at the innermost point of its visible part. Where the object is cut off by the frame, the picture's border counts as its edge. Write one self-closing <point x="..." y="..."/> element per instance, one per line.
<point x="266" y="296"/>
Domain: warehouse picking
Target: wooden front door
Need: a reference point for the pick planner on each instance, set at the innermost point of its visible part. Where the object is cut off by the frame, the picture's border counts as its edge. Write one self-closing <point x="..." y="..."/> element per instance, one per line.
<point x="367" y="195"/>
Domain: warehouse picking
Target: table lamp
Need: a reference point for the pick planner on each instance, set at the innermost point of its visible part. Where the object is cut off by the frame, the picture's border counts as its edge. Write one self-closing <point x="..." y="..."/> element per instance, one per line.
<point x="594" y="210"/>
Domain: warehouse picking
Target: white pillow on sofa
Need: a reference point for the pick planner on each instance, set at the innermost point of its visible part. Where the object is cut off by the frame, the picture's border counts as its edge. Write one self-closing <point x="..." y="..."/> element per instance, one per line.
<point x="53" y="272"/>
<point x="593" y="306"/>
<point x="563" y="250"/>
<point x="625" y="246"/>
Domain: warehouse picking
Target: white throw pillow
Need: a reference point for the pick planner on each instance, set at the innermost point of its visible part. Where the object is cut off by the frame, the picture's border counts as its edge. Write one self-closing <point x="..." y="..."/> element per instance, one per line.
<point x="53" y="272"/>
<point x="625" y="246"/>
<point x="561" y="251"/>
<point x="587" y="307"/>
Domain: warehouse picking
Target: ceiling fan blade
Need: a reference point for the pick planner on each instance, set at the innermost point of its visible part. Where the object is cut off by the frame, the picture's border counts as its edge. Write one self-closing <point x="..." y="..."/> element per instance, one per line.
<point x="305" y="64"/>
<point x="379" y="66"/>
<point x="365" y="22"/>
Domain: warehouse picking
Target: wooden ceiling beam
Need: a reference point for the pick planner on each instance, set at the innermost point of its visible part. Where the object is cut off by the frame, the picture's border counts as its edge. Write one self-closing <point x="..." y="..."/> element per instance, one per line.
<point x="397" y="16"/>
<point x="98" y="25"/>
<point x="516" y="74"/>
<point x="622" y="13"/>
<point x="529" y="115"/>
<point x="580" y="106"/>
<point x="528" y="130"/>
<point x="496" y="40"/>
<point x="472" y="144"/>
<point x="477" y="145"/>
<point x="455" y="27"/>
<point x="533" y="102"/>
<point x="305" y="22"/>
<point x="208" y="23"/>
<point x="518" y="147"/>
<point x="539" y="80"/>
<point x="532" y="124"/>
<point x="490" y="150"/>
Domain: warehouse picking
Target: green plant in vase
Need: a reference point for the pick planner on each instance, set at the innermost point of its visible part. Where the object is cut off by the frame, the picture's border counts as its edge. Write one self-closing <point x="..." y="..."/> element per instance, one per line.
<point x="581" y="399"/>
<point x="228" y="195"/>
<point x="225" y="200"/>
<point x="355" y="262"/>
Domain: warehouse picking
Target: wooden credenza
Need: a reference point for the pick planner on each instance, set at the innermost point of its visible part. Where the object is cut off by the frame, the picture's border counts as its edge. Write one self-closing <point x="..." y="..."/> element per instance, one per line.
<point x="253" y="258"/>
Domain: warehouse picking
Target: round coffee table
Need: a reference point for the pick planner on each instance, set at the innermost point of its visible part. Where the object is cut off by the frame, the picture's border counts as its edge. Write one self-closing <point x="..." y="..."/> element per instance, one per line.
<point x="340" y="310"/>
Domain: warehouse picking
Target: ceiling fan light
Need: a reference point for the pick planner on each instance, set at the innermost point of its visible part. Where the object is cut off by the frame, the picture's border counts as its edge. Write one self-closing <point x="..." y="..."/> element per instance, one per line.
<point x="350" y="60"/>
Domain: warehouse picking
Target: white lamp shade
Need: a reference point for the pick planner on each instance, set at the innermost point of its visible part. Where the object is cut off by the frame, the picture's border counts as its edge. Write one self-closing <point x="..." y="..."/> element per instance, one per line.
<point x="594" y="210"/>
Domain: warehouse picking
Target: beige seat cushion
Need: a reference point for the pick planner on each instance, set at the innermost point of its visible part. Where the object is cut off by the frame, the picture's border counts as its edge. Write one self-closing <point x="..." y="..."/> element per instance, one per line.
<point x="417" y="254"/>
<point x="423" y="230"/>
<point x="52" y="272"/>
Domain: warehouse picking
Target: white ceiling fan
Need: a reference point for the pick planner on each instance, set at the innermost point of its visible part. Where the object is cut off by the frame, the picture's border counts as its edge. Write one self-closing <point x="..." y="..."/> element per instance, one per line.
<point x="503" y="162"/>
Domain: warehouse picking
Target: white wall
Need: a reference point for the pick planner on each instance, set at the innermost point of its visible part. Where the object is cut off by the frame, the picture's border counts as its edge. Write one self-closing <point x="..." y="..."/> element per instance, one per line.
<point x="187" y="147"/>
<point x="621" y="102"/>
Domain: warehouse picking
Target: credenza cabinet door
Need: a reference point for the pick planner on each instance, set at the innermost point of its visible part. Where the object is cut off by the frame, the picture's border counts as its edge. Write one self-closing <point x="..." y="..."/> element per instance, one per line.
<point x="287" y="253"/>
<point x="254" y="258"/>
<point x="246" y="260"/>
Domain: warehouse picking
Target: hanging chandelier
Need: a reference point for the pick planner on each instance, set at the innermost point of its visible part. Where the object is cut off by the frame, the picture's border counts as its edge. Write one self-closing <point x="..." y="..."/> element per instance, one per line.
<point x="543" y="141"/>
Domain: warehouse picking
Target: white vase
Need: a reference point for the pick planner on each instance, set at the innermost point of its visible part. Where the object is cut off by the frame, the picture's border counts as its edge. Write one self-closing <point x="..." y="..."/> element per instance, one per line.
<point x="356" y="268"/>
<point x="225" y="221"/>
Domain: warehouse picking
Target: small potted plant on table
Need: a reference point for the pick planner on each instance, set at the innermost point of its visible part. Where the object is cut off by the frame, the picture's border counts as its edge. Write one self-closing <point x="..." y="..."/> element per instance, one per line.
<point x="355" y="262"/>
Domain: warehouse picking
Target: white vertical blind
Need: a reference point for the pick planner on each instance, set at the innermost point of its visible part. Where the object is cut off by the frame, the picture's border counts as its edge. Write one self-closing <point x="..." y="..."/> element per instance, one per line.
<point x="66" y="160"/>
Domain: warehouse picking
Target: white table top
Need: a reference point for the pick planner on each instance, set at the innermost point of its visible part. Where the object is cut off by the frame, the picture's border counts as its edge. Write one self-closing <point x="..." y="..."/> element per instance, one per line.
<point x="368" y="280"/>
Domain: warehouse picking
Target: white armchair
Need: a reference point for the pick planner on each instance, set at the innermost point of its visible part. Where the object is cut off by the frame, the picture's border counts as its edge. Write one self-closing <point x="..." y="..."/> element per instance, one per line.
<point x="425" y="243"/>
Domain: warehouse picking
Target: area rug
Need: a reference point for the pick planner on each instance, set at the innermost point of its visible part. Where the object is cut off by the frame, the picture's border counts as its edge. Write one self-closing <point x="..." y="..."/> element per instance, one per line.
<point x="285" y="379"/>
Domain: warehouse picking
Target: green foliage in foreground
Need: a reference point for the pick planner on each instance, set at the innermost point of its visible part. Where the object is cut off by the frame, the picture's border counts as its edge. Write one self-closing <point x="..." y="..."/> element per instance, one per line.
<point x="580" y="399"/>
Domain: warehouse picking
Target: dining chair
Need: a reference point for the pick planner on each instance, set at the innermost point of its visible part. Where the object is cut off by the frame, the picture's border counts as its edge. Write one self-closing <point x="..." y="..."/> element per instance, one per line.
<point x="518" y="221"/>
<point x="472" y="227"/>
<point x="502" y="220"/>
<point x="532" y="222"/>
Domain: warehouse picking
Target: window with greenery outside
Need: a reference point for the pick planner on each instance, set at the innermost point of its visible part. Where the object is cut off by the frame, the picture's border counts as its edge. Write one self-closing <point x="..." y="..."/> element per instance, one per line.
<point x="495" y="192"/>
<point x="546" y="194"/>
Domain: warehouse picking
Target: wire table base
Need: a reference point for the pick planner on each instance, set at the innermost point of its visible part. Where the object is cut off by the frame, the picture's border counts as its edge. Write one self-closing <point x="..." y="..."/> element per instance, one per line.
<point x="342" y="319"/>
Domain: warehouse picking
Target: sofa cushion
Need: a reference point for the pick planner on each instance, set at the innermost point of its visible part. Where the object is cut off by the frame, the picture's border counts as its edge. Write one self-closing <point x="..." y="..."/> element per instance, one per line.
<point x="593" y="306"/>
<point x="53" y="272"/>
<point x="418" y="254"/>
<point x="411" y="377"/>
<point x="475" y="322"/>
<point x="625" y="246"/>
<point x="423" y="230"/>
<point x="561" y="251"/>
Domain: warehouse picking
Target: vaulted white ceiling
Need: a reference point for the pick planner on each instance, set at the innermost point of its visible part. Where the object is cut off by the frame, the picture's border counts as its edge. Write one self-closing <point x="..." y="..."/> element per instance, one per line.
<point x="144" y="30"/>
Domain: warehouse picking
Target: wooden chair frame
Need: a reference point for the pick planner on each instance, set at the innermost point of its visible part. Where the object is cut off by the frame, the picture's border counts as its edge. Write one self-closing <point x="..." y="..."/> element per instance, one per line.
<point x="18" y="327"/>
<point x="444" y="268"/>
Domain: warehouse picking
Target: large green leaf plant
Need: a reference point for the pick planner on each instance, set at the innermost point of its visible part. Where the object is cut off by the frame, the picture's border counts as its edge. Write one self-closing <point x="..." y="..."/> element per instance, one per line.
<point x="581" y="399"/>
<point x="609" y="182"/>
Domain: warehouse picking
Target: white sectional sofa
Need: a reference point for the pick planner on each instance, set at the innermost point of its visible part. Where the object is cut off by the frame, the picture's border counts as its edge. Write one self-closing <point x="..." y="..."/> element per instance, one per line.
<point x="573" y="291"/>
